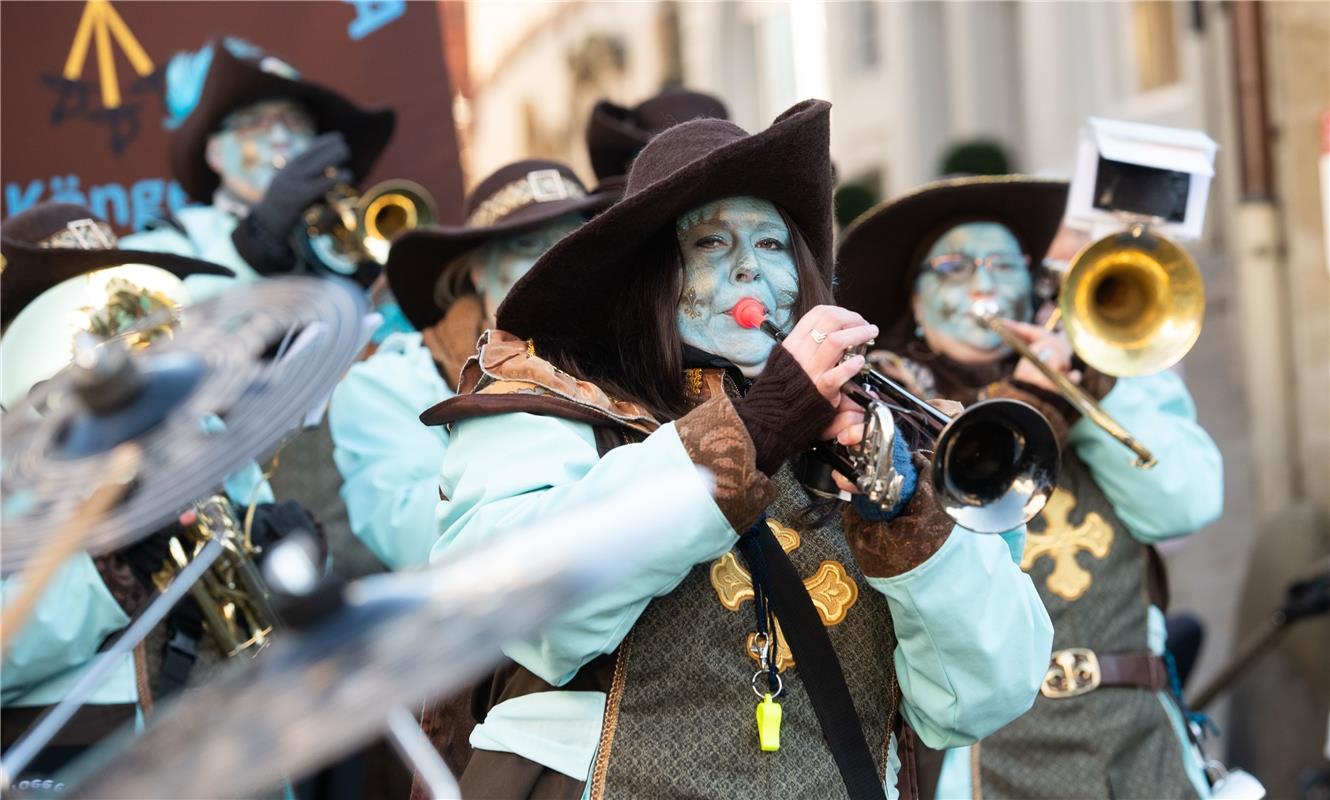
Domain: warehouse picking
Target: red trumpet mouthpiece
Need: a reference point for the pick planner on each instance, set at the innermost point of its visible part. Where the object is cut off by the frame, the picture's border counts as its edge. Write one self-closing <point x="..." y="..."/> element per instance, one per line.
<point x="749" y="312"/>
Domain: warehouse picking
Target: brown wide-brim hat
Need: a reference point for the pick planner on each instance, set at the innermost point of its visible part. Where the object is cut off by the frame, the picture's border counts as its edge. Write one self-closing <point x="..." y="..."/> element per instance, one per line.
<point x="30" y="269"/>
<point x="566" y="295"/>
<point x="615" y="134"/>
<point x="881" y="252"/>
<point x="514" y="199"/>
<point x="233" y="83"/>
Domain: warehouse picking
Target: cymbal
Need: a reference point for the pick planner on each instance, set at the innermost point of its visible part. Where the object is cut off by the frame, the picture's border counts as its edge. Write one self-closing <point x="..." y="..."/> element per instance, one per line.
<point x="257" y="359"/>
<point x="399" y="639"/>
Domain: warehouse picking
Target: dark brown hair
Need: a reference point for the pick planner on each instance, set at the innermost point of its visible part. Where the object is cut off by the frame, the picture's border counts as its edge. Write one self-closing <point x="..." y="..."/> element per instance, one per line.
<point x="643" y="362"/>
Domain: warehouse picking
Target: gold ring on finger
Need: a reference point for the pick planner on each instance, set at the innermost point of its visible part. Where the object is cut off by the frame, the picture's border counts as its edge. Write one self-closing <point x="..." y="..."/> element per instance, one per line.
<point x="818" y="336"/>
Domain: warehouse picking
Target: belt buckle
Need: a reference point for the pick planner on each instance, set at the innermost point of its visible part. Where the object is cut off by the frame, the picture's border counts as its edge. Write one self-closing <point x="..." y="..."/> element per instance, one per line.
<point x="1071" y="672"/>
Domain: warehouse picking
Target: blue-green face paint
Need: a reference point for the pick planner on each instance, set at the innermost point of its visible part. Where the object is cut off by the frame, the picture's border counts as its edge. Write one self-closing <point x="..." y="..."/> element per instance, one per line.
<point x="496" y="266"/>
<point x="941" y="301"/>
<point x="255" y="142"/>
<point x="735" y="248"/>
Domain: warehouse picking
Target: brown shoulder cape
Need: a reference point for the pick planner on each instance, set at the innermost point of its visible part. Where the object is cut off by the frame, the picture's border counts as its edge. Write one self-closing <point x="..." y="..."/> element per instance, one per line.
<point x="505" y="375"/>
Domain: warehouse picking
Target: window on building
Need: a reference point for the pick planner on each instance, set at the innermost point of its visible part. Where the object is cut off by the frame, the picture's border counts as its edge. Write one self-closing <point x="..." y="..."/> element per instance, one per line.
<point x="1156" y="43"/>
<point x="861" y="27"/>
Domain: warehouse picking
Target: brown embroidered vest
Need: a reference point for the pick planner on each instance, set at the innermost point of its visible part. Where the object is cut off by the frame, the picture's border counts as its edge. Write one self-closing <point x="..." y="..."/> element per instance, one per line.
<point x="679" y="719"/>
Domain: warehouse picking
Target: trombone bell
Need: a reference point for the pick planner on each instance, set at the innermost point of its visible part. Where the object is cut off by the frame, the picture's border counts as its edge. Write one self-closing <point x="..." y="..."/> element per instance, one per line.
<point x="1132" y="303"/>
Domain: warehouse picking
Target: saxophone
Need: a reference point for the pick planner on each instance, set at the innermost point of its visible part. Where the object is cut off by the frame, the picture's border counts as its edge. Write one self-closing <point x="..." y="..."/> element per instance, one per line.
<point x="234" y="598"/>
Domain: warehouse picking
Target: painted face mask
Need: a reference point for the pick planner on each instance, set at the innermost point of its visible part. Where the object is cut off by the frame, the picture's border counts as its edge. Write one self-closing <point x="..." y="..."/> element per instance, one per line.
<point x="734" y="248"/>
<point x="972" y="262"/>
<point x="498" y="265"/>
<point x="255" y="142"/>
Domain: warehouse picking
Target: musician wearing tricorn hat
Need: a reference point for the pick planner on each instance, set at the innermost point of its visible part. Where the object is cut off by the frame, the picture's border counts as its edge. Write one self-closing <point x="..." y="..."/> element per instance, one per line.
<point x="947" y="271"/>
<point x="622" y="357"/>
<point x="258" y="146"/>
<point x="65" y="284"/>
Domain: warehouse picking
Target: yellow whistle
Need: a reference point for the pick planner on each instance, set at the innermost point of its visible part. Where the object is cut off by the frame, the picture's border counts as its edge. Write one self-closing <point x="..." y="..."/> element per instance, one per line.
<point x="768" y="724"/>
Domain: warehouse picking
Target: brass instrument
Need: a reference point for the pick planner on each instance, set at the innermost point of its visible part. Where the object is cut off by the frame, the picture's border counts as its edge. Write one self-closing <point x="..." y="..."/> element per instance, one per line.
<point x="1131" y="304"/>
<point x="232" y="594"/>
<point x="358" y="227"/>
<point x="994" y="465"/>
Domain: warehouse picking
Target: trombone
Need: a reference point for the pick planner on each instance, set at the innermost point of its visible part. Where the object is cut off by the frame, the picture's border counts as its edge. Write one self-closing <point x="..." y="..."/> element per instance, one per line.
<point x="1131" y="304"/>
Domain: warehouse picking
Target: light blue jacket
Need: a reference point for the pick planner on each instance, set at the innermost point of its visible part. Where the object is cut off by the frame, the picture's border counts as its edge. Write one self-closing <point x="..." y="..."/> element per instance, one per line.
<point x="207" y="236"/>
<point x="973" y="636"/>
<point x="390" y="461"/>
<point x="1182" y="493"/>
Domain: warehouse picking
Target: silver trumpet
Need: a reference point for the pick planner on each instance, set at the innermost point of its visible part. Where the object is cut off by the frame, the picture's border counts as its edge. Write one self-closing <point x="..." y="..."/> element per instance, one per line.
<point x="994" y="465"/>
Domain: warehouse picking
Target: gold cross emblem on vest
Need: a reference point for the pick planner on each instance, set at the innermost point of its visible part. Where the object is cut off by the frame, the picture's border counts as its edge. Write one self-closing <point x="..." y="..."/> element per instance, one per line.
<point x="1060" y="540"/>
<point x="832" y="589"/>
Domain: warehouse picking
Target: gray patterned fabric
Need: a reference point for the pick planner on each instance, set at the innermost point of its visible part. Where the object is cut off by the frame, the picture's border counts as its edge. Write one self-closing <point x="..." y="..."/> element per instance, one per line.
<point x="1114" y="742"/>
<point x="685" y="726"/>
<point x="1111" y="616"/>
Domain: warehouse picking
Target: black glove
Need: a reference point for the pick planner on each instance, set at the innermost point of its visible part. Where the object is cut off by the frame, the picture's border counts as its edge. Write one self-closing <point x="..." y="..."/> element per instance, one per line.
<point x="274" y="521"/>
<point x="147" y="556"/>
<point x="262" y="238"/>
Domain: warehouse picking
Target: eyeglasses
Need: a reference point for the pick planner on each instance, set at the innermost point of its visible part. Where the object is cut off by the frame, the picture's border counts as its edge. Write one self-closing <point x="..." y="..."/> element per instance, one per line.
<point x="293" y="119"/>
<point x="958" y="267"/>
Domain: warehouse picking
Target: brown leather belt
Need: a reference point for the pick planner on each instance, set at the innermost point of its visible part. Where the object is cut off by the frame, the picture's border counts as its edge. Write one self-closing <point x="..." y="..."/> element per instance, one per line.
<point x="1078" y="670"/>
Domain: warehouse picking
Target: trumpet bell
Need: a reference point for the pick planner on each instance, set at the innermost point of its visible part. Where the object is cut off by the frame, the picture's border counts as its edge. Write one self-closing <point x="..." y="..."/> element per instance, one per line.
<point x="995" y="465"/>
<point x="388" y="209"/>
<point x="1132" y="303"/>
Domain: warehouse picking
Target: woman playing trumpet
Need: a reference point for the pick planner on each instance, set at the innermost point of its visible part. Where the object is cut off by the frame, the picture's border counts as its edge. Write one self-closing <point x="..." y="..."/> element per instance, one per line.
<point x="1106" y="724"/>
<point x="618" y="358"/>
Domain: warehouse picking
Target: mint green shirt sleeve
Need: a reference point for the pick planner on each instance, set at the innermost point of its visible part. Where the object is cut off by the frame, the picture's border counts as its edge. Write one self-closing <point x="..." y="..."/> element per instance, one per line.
<point x="71" y="619"/>
<point x="389" y="460"/>
<point x="207" y="236"/>
<point x="510" y="470"/>
<point x="1181" y="493"/>
<point x="972" y="638"/>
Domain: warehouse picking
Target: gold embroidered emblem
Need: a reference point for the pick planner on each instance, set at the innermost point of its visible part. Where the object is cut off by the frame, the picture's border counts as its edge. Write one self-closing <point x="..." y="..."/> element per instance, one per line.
<point x="693" y="383"/>
<point x="1061" y="541"/>
<point x="832" y="589"/>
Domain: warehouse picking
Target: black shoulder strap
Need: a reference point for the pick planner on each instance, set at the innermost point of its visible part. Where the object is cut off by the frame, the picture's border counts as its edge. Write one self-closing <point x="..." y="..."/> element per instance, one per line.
<point x="819" y="670"/>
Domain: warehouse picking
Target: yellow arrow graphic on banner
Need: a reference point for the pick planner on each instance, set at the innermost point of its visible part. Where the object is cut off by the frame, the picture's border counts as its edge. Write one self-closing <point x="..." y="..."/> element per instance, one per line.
<point x="101" y="18"/>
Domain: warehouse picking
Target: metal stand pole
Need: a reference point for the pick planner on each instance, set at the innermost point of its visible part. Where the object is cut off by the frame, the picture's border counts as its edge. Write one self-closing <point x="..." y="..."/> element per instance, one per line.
<point x="1251" y="651"/>
<point x="41" y="734"/>
<point x="419" y="754"/>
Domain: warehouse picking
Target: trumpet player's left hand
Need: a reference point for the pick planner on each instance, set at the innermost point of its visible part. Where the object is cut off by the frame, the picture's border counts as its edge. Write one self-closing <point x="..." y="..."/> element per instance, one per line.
<point x="1051" y="347"/>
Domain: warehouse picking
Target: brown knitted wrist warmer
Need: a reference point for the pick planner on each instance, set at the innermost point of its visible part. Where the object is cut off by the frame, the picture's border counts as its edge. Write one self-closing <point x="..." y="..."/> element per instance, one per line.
<point x="886" y="549"/>
<point x="783" y="411"/>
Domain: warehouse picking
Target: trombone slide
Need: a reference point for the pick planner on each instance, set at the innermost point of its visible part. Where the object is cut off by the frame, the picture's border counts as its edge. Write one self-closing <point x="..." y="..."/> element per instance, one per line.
<point x="1074" y="394"/>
